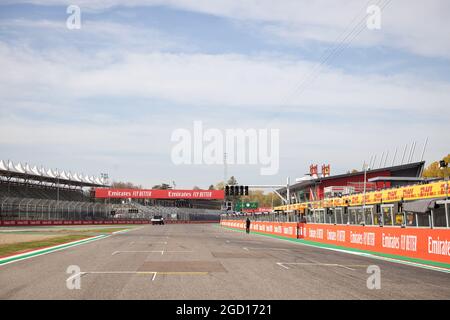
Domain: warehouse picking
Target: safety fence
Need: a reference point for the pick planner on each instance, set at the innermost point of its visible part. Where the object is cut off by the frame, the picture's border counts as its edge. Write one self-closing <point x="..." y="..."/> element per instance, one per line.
<point x="422" y="244"/>
<point x="45" y="209"/>
<point x="12" y="223"/>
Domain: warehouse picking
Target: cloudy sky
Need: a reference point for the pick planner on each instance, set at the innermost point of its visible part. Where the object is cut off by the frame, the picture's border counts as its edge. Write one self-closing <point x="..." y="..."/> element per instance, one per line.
<point x="107" y="97"/>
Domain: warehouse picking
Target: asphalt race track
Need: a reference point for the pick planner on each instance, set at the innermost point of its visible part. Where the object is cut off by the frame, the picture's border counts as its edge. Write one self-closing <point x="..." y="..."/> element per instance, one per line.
<point x="206" y="261"/>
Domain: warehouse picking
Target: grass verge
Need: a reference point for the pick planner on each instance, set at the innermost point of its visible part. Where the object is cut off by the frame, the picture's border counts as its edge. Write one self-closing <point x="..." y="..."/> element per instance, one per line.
<point x="16" y="248"/>
<point x="20" y="247"/>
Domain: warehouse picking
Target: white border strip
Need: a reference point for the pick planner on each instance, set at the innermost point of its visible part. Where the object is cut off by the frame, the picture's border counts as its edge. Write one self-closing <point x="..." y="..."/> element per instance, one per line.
<point x="47" y="250"/>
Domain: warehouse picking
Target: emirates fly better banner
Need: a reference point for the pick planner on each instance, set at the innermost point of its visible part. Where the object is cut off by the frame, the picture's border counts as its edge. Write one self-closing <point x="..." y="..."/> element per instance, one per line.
<point x="159" y="194"/>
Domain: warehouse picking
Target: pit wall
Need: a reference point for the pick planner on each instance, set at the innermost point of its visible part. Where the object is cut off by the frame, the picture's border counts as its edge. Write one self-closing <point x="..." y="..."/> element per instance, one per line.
<point x="422" y="244"/>
<point x="13" y="223"/>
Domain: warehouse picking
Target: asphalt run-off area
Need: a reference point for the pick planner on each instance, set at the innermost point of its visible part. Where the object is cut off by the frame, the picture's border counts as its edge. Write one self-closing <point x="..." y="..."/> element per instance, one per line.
<point x="206" y="261"/>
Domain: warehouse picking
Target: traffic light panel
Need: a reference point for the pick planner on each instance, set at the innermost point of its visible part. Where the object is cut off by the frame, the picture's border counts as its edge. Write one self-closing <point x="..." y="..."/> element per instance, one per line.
<point x="236" y="190"/>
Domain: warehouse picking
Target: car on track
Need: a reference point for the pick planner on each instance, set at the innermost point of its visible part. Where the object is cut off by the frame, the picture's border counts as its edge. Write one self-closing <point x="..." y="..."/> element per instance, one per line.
<point x="157" y="220"/>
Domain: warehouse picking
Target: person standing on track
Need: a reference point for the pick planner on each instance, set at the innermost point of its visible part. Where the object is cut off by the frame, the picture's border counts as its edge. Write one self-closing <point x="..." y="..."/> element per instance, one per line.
<point x="247" y="225"/>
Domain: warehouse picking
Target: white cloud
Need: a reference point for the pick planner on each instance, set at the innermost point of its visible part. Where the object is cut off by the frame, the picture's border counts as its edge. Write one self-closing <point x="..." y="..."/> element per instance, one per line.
<point x="419" y="27"/>
<point x="222" y="80"/>
<point x="43" y="93"/>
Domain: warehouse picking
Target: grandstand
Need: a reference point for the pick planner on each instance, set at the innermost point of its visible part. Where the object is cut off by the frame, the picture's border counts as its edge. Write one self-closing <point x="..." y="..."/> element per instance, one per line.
<point x="32" y="193"/>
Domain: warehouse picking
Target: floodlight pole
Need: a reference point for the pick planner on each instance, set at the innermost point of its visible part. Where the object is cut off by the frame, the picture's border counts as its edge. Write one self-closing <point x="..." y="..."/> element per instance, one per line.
<point x="364" y="194"/>
<point x="288" y="196"/>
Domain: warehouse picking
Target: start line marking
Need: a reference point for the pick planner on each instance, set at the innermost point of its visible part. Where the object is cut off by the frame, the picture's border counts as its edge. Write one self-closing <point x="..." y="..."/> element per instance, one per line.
<point x="152" y="251"/>
<point x="154" y="273"/>
<point x="348" y="267"/>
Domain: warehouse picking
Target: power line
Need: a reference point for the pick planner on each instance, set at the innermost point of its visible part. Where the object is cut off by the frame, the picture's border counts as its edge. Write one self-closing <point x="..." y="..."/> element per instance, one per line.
<point x="336" y="51"/>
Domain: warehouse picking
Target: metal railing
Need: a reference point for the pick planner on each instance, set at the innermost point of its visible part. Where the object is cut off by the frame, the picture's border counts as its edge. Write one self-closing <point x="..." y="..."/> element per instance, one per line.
<point x="12" y="208"/>
<point x="43" y="209"/>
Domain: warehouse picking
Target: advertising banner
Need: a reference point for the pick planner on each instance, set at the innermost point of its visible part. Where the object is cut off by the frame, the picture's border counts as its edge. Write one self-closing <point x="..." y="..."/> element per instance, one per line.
<point x="286" y="229"/>
<point x="419" y="243"/>
<point x="436" y="190"/>
<point x="159" y="194"/>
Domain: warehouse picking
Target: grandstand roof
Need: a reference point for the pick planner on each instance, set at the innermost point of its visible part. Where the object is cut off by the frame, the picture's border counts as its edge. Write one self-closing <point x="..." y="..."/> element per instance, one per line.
<point x="416" y="169"/>
<point x="18" y="170"/>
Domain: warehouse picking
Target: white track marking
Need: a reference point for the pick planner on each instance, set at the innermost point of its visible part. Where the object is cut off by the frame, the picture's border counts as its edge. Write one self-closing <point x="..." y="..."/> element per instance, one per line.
<point x="126" y="230"/>
<point x="283" y="264"/>
<point x="151" y="251"/>
<point x="276" y="249"/>
<point x="80" y="274"/>
<point x="143" y="242"/>
<point x="48" y="250"/>
<point x="153" y="273"/>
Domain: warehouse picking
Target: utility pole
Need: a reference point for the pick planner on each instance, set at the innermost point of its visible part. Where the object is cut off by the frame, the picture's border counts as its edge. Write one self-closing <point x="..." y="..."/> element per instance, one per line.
<point x="225" y="169"/>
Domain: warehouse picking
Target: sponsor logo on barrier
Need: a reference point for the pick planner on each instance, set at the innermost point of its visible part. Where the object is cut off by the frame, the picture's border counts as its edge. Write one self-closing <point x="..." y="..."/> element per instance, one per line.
<point x="420" y="243"/>
<point x="441" y="247"/>
<point x="389" y="241"/>
<point x="365" y="238"/>
<point x="315" y="233"/>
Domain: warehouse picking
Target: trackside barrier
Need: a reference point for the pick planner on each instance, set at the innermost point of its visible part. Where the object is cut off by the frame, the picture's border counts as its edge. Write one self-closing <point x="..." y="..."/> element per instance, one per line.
<point x="417" y="243"/>
<point x="190" y="221"/>
<point x="6" y="223"/>
<point x="12" y="223"/>
<point x="285" y="229"/>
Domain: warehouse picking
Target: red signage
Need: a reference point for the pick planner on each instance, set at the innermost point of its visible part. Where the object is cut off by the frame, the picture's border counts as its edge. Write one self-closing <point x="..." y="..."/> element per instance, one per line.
<point x="261" y="209"/>
<point x="419" y="243"/>
<point x="159" y="194"/>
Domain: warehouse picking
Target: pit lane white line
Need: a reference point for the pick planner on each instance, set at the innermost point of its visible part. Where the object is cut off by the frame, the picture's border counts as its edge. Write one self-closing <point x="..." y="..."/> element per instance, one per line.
<point x="284" y="265"/>
<point x="254" y="248"/>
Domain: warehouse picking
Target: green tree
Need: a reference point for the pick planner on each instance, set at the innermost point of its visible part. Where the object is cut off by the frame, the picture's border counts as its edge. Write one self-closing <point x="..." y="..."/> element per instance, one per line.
<point x="232" y="181"/>
<point x="125" y="185"/>
<point x="211" y="187"/>
<point x="162" y="186"/>
<point x="220" y="186"/>
<point x="434" y="171"/>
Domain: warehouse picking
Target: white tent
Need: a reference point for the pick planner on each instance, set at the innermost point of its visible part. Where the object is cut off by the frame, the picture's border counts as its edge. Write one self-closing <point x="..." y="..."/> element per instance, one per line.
<point x="49" y="173"/>
<point x="64" y="176"/>
<point x="3" y="166"/>
<point x="19" y="168"/>
<point x="36" y="171"/>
